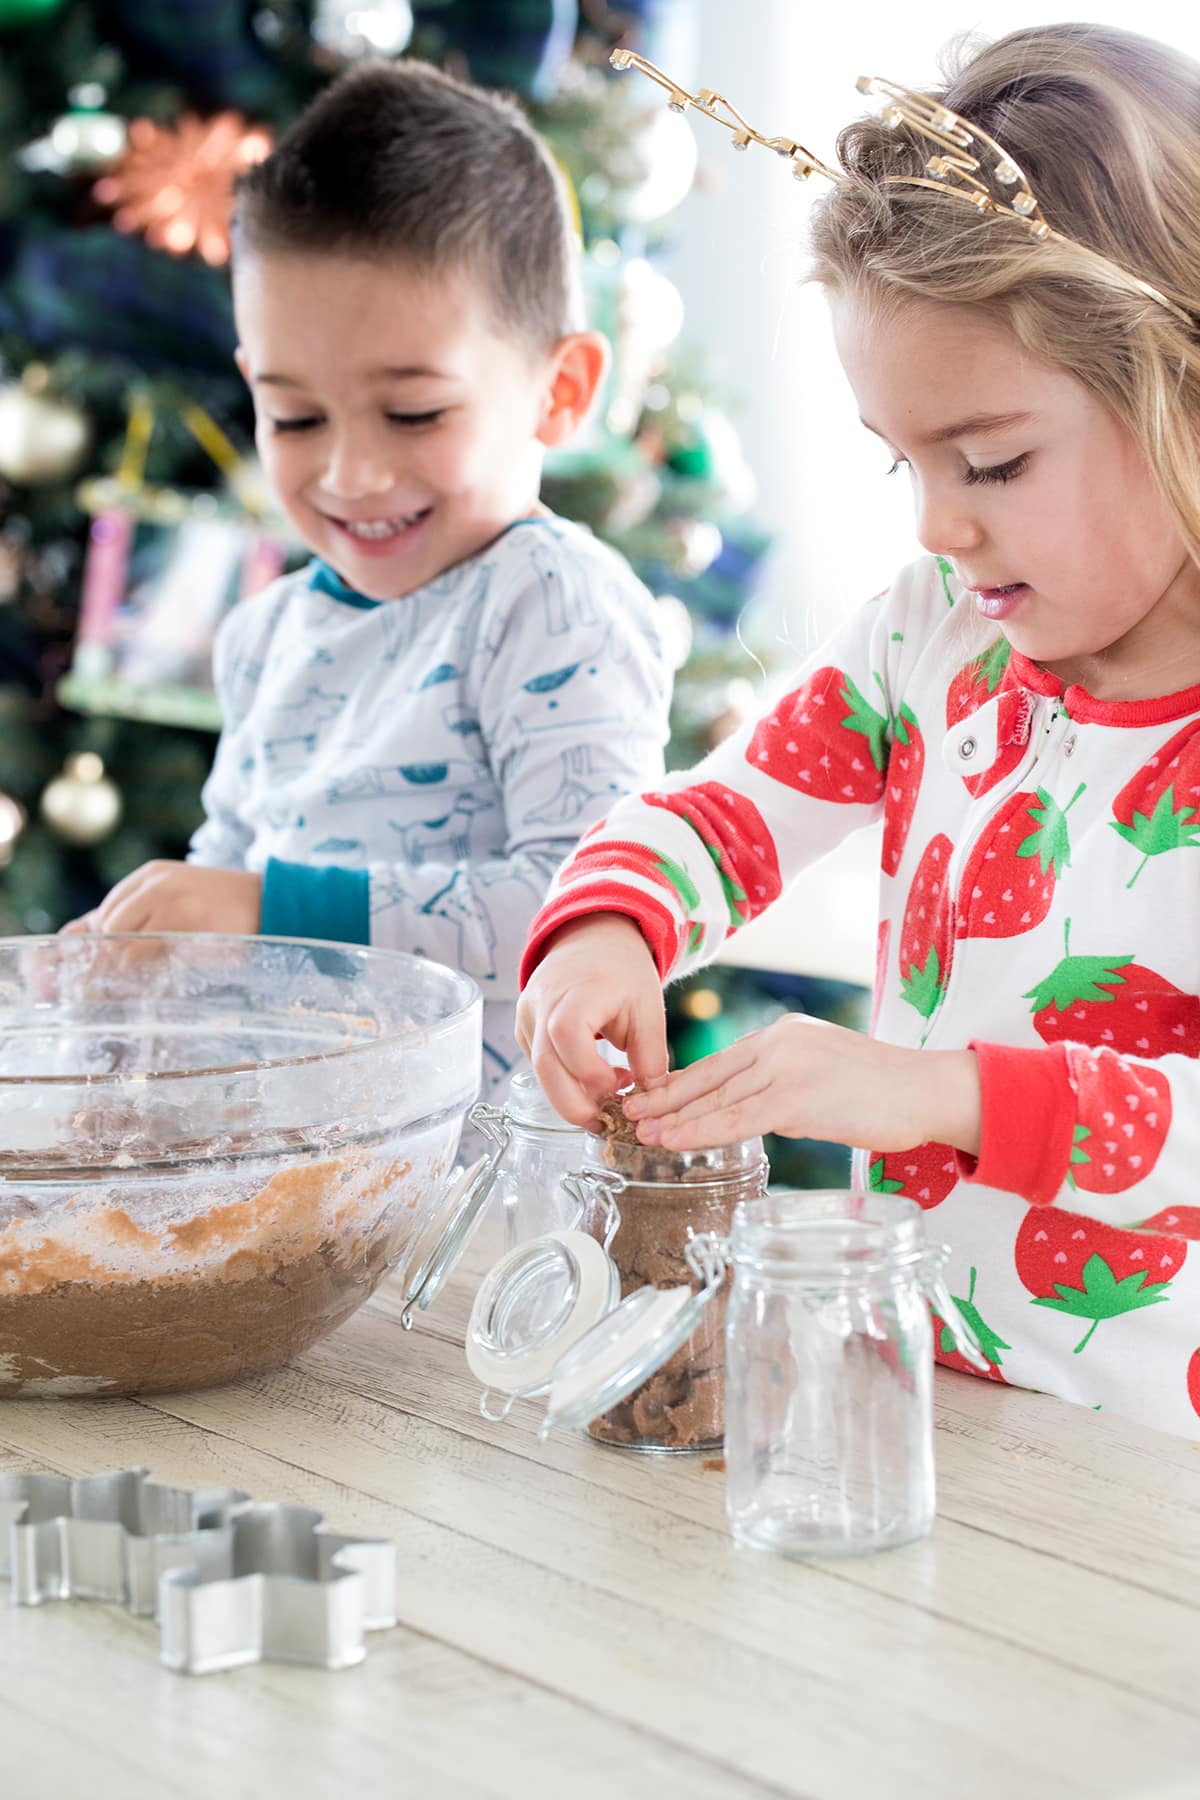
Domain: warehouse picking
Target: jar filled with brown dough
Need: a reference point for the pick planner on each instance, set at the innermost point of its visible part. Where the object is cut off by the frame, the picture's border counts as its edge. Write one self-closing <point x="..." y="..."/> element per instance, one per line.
<point x="667" y="1198"/>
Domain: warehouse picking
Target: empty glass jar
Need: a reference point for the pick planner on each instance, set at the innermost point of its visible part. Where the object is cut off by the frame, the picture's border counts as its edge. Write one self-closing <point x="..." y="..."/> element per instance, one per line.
<point x="829" y="1369"/>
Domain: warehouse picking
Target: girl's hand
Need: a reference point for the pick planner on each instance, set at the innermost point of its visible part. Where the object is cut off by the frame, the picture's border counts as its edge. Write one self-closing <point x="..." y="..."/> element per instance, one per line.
<point x="597" y="979"/>
<point x="802" y="1077"/>
<point x="178" y="896"/>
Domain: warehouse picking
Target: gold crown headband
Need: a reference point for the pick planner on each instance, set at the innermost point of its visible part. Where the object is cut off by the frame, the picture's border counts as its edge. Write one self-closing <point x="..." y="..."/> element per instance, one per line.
<point x="969" y="165"/>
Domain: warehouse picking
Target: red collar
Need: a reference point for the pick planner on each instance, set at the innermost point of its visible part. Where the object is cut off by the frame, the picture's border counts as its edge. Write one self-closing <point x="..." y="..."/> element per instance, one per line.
<point x="1085" y="711"/>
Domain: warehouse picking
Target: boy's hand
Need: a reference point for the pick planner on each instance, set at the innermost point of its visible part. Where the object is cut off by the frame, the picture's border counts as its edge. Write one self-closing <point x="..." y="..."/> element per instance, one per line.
<point x="802" y="1077"/>
<point x="597" y="979"/>
<point x="178" y="896"/>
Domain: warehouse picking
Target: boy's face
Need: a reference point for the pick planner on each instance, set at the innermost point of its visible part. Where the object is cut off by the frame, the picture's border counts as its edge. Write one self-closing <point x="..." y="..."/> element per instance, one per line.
<point x="398" y="428"/>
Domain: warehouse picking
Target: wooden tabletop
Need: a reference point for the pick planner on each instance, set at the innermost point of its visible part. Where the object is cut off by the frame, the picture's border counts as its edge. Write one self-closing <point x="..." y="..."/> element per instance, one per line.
<point x="576" y="1622"/>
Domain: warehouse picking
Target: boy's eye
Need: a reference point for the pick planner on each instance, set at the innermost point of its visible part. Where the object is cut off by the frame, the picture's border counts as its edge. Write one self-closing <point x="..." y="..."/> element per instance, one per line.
<point x="294" y="424"/>
<point x="997" y="471"/>
<point x="411" y="419"/>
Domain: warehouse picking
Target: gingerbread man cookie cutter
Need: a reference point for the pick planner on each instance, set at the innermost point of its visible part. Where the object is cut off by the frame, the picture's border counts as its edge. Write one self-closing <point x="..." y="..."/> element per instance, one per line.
<point x="230" y="1580"/>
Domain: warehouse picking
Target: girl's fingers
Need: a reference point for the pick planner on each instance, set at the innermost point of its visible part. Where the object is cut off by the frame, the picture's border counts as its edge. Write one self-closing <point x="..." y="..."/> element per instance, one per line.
<point x="645" y="1043"/>
<point x="700" y="1080"/>
<point x="571" y="1072"/>
<point x="746" y="1085"/>
<point x="727" y="1125"/>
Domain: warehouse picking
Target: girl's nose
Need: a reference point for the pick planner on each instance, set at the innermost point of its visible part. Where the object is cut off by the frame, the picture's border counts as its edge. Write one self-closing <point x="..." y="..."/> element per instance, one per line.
<point x="946" y="521"/>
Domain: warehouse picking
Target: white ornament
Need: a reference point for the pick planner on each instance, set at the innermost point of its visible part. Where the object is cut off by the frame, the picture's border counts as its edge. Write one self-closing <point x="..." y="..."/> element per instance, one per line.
<point x="354" y="28"/>
<point x="82" y="805"/>
<point x="43" y="436"/>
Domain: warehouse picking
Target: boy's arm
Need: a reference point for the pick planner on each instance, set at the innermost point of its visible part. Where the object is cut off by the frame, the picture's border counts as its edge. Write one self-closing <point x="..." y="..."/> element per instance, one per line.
<point x="223" y="840"/>
<point x="708" y="850"/>
<point x="571" y="693"/>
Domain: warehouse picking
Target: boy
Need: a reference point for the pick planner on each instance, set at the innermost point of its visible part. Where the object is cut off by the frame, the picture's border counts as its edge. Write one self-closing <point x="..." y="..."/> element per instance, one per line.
<point x="420" y="724"/>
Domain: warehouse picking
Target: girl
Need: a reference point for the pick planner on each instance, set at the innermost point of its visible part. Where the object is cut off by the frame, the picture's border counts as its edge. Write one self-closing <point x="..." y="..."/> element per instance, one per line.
<point x="1022" y="709"/>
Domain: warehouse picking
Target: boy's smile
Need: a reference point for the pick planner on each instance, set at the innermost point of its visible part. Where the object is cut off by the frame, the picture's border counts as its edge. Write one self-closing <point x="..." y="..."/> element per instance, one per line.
<point x="399" y="426"/>
<point x="1042" y="499"/>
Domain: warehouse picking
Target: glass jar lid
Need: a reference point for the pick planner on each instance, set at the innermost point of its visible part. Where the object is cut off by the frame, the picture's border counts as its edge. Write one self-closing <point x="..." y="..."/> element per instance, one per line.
<point x="631" y="1343"/>
<point x="533" y="1305"/>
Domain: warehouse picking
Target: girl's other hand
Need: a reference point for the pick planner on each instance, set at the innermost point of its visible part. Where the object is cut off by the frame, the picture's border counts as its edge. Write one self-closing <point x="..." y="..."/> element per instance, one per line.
<point x="802" y="1077"/>
<point x="596" y="979"/>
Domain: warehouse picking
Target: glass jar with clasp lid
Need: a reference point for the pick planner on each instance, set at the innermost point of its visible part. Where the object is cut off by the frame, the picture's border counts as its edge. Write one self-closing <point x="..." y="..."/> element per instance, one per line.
<point x="617" y="1272"/>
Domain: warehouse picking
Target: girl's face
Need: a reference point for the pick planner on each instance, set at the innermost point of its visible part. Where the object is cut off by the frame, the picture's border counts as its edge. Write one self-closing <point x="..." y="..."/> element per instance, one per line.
<point x="1040" y="498"/>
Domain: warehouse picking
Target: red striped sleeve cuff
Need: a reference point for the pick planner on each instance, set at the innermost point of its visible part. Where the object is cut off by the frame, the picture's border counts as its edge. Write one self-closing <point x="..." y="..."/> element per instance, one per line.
<point x="656" y="922"/>
<point x="1028" y="1122"/>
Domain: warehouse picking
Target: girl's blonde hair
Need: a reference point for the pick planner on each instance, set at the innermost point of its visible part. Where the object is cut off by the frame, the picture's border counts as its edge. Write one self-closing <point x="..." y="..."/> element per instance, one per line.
<point x="1106" y="126"/>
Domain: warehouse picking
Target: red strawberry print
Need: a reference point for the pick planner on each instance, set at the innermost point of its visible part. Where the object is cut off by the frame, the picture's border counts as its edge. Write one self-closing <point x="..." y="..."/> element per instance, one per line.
<point x="990" y="1342"/>
<point x="1179" y="1221"/>
<point x="733" y="832"/>
<point x="976" y="683"/>
<point x="925" y="1174"/>
<point x="1193" y="1381"/>
<point x="1114" y="1002"/>
<point x="1075" y="1265"/>
<point x="926" y="936"/>
<point x="1124" y="1115"/>
<point x="905" y="763"/>
<point x="826" y="740"/>
<point x="1008" y="883"/>
<point x="1158" y="810"/>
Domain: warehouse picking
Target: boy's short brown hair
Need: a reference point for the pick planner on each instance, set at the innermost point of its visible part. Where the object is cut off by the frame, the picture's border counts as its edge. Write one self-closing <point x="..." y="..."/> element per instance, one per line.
<point x="396" y="159"/>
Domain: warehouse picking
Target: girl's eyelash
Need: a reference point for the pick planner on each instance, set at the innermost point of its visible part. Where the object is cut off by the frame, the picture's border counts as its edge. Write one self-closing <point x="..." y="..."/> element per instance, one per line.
<point x="998" y="471"/>
<point x="294" y="424"/>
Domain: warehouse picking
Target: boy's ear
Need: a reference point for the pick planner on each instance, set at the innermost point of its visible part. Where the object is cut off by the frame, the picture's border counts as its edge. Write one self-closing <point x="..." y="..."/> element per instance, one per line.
<point x="578" y="364"/>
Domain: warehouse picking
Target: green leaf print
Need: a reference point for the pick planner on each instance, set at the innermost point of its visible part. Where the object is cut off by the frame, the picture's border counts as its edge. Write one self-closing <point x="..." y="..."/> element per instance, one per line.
<point x="863" y="718"/>
<point x="878" y="1182"/>
<point x="946" y="573"/>
<point x="1048" y="840"/>
<point x="1167" y="828"/>
<point x="1102" y="1296"/>
<point x="922" y="987"/>
<point x="1078" y="978"/>
<point x="990" y="1342"/>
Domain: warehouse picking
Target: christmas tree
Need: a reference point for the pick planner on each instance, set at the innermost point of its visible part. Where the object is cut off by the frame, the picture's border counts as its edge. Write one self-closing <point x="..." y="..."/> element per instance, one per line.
<point x="130" y="516"/>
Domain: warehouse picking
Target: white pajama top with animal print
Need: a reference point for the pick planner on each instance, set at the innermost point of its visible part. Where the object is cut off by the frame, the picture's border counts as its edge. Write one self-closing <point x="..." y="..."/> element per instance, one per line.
<point x="409" y="773"/>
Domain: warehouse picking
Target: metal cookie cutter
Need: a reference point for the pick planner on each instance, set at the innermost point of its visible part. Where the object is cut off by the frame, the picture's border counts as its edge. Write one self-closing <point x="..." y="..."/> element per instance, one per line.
<point x="292" y="1592"/>
<point x="105" y="1537"/>
<point x="231" y="1581"/>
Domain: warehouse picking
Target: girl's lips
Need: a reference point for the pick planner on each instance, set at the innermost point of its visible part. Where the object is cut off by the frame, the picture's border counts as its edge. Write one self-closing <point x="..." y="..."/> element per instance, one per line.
<point x="380" y="546"/>
<point x="1000" y="602"/>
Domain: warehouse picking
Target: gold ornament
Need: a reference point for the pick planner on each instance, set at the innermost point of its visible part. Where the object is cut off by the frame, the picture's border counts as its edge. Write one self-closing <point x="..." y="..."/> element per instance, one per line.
<point x="43" y="435"/>
<point x="82" y="805"/>
<point x="175" y="182"/>
<point x="12" y="824"/>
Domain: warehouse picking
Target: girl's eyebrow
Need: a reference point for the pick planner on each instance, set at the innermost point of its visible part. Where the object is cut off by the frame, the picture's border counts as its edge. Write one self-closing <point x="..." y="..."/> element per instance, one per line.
<point x="978" y="425"/>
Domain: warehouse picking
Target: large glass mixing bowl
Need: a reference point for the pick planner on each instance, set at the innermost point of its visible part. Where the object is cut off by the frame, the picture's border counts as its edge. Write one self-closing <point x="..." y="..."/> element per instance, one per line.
<point x="212" y="1148"/>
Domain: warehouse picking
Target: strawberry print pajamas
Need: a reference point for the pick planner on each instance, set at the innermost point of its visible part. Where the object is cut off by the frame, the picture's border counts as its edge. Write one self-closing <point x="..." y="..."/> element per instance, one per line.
<point x="1038" y="900"/>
